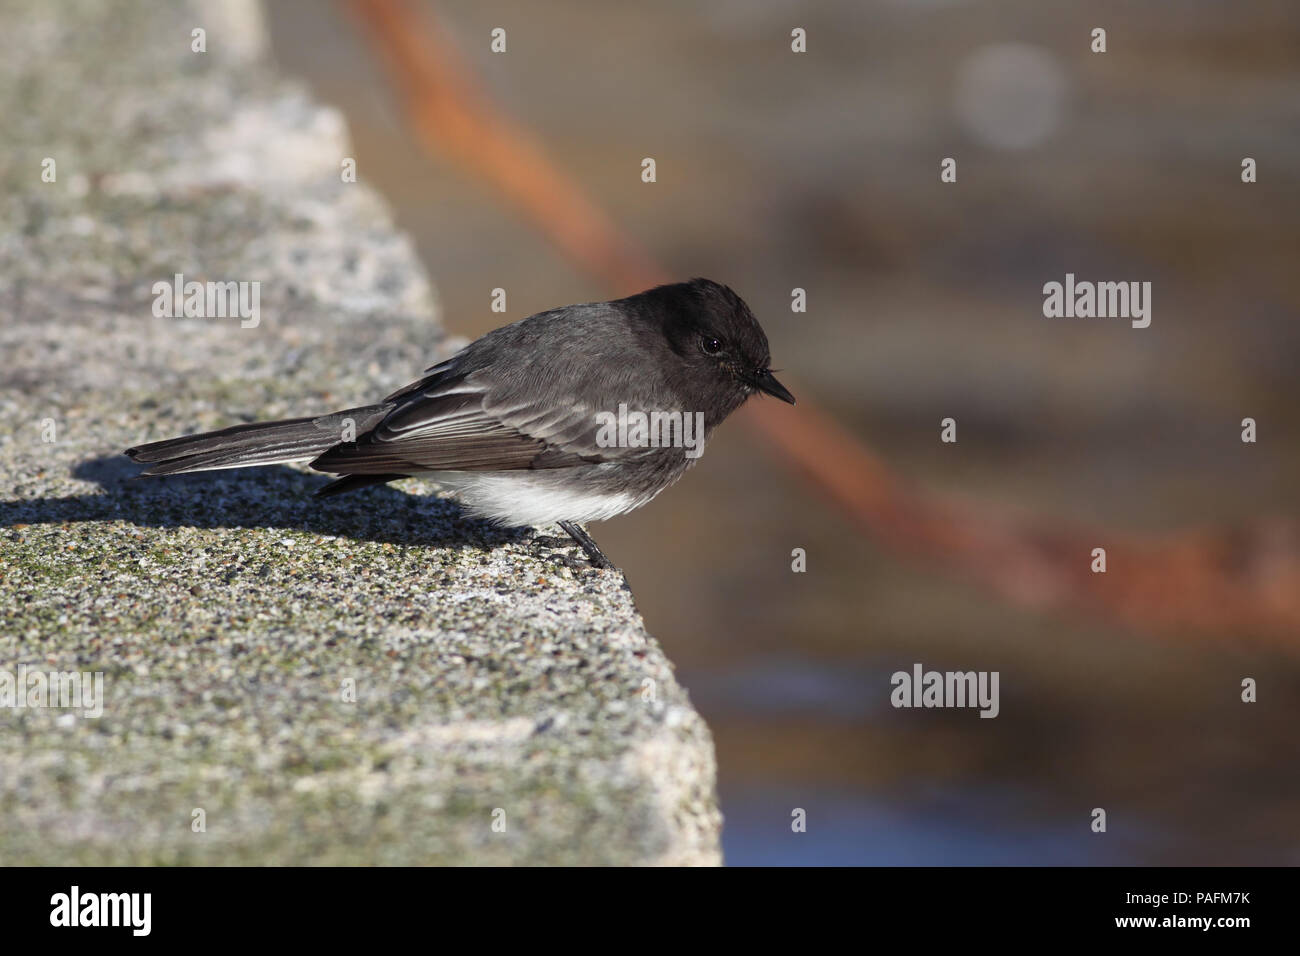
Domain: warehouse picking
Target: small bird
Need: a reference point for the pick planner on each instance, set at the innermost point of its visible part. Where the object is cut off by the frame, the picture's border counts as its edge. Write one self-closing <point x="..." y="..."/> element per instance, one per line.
<point x="549" y="420"/>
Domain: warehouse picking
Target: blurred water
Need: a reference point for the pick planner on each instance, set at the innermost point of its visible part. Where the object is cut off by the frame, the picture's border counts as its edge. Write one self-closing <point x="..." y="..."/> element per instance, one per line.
<point x="845" y="830"/>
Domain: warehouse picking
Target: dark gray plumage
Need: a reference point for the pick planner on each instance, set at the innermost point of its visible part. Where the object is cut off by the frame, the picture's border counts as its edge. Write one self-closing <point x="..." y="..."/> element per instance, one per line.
<point x="511" y="422"/>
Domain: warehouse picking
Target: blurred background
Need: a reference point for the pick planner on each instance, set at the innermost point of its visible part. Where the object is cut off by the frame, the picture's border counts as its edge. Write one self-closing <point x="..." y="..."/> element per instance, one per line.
<point x="820" y="170"/>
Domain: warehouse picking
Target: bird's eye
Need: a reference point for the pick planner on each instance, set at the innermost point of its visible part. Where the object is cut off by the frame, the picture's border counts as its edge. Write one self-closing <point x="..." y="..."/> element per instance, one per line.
<point x="711" y="346"/>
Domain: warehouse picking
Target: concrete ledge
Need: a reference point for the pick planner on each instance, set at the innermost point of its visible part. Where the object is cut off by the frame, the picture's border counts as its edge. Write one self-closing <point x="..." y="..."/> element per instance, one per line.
<point x="371" y="679"/>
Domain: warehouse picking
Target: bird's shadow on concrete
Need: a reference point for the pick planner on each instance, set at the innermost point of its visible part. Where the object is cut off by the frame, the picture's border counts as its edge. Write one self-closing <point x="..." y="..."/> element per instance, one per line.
<point x="266" y="497"/>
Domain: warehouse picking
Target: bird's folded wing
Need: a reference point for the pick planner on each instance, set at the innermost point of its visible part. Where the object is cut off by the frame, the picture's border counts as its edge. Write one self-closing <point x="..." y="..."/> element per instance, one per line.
<point x="456" y="424"/>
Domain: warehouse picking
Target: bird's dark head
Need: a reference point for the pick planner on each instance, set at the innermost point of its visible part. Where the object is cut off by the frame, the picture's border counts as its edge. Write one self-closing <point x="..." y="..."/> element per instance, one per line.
<point x="717" y="337"/>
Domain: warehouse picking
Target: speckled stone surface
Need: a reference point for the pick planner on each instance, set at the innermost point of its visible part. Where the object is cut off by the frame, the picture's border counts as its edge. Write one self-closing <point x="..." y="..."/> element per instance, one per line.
<point x="369" y="679"/>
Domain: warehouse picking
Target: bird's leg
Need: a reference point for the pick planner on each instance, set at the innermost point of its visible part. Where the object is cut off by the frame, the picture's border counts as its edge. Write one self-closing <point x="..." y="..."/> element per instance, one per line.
<point x="584" y="540"/>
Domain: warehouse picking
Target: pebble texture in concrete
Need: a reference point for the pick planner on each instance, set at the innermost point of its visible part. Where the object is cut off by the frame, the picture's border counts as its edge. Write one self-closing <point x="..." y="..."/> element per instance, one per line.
<point x="369" y="679"/>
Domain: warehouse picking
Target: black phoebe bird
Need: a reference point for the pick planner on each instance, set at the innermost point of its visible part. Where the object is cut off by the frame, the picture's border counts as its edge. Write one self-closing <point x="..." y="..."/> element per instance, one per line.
<point x="572" y="415"/>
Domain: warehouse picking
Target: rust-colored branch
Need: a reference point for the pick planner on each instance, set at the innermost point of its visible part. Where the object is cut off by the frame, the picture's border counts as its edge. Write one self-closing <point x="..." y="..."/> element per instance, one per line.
<point x="451" y="115"/>
<point x="1230" y="584"/>
<point x="1233" y="583"/>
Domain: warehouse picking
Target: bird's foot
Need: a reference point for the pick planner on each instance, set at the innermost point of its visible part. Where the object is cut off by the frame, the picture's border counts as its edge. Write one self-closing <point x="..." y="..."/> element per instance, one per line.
<point x="598" y="559"/>
<point x="595" y="557"/>
<point x="562" y="552"/>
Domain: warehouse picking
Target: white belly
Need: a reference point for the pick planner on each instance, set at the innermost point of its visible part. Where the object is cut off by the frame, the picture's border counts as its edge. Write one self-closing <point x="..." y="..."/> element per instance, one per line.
<point x="532" y="497"/>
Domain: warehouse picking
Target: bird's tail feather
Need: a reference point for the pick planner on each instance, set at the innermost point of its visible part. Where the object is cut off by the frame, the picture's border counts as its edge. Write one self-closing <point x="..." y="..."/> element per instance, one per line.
<point x="260" y="443"/>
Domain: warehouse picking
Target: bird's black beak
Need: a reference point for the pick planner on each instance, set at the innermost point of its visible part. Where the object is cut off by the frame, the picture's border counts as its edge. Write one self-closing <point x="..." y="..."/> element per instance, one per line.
<point x="765" y="382"/>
